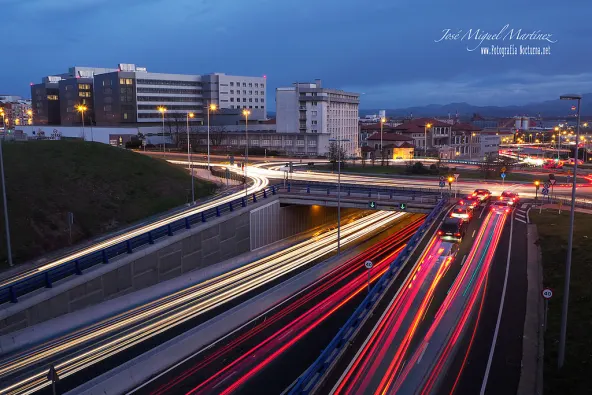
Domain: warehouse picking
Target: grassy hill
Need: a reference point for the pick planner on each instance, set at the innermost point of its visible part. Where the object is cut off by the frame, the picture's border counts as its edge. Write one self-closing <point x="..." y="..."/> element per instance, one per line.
<point x="104" y="187"/>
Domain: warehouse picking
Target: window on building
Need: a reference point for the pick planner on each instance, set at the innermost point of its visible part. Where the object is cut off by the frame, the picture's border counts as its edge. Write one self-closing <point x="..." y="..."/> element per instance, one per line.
<point x="84" y="94"/>
<point x="107" y="108"/>
<point x="244" y="99"/>
<point x="256" y="100"/>
<point x="312" y="143"/>
<point x="83" y="87"/>
<point x="288" y="142"/>
<point x="125" y="115"/>
<point x="262" y="86"/>
<point x="314" y="112"/>
<point x="314" y="122"/>
<point x="122" y="81"/>
<point x="250" y="106"/>
<point x="262" y="100"/>
<point x="52" y="97"/>
<point x="250" y="84"/>
<point x="232" y="99"/>
<point x="107" y="91"/>
<point x="300" y="142"/>
<point x="232" y="91"/>
<point x="244" y="92"/>
<point x="250" y="100"/>
<point x="256" y="106"/>
<point x="256" y="84"/>
<point x="250" y="92"/>
<point x="314" y="103"/>
<point x="232" y="84"/>
<point x="106" y="82"/>
<point x="244" y="84"/>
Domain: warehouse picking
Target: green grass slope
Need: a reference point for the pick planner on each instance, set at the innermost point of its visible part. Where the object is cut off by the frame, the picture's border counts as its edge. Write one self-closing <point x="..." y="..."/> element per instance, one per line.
<point x="104" y="187"/>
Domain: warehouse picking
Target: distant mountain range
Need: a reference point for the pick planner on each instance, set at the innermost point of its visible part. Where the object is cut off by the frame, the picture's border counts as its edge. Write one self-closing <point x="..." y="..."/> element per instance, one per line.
<point x="549" y="108"/>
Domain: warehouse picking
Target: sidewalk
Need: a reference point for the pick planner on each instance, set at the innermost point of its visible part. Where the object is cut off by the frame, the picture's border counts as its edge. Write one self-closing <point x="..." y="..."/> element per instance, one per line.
<point x="531" y="375"/>
<point x="564" y="207"/>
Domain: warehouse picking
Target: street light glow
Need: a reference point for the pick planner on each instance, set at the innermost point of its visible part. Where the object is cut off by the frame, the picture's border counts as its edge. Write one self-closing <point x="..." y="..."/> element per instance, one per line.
<point x="191" y="115"/>
<point x="213" y="107"/>
<point x="246" y="112"/>
<point x="161" y="109"/>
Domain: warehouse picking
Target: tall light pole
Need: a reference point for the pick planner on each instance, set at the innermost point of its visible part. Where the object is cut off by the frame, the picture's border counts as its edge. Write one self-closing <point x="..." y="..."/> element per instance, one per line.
<point x="6" y="226"/>
<point x="382" y="121"/>
<point x="246" y="113"/>
<point x="563" y="332"/>
<point x="3" y="123"/>
<point x="471" y="146"/>
<point x="81" y="109"/>
<point x="338" y="141"/>
<point x="162" y="110"/>
<point x="190" y="115"/>
<point x="425" y="138"/>
<point x="211" y="107"/>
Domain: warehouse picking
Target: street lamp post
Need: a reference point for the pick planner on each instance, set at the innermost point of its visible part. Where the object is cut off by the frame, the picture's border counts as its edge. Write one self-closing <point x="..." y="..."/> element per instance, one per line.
<point x="339" y="141"/>
<point x="3" y="123"/>
<point x="382" y="121"/>
<point x="162" y="110"/>
<point x="81" y="109"/>
<point x="6" y="226"/>
<point x="563" y="333"/>
<point x="425" y="138"/>
<point x="246" y="113"/>
<point x="191" y="115"/>
<point x="211" y="107"/>
<point x="471" y="146"/>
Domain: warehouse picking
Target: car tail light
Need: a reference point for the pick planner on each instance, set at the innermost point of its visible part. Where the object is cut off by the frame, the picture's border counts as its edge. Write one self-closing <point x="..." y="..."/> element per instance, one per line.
<point x="457" y="234"/>
<point x="440" y="233"/>
<point x="507" y="210"/>
<point x="474" y="194"/>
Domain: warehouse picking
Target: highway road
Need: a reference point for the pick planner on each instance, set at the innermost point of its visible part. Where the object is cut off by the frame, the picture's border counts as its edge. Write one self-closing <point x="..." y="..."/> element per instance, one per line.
<point x="118" y="338"/>
<point x="272" y="352"/>
<point x="385" y="359"/>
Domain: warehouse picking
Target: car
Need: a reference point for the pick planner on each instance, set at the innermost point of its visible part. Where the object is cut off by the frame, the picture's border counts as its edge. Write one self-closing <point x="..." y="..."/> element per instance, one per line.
<point x="572" y="161"/>
<point x="482" y="194"/>
<point x="452" y="229"/>
<point x="470" y="200"/>
<point x="463" y="211"/>
<point x="510" y="197"/>
<point x="500" y="207"/>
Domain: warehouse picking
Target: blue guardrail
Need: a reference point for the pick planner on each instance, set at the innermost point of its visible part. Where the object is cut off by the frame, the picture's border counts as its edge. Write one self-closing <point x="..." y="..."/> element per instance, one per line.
<point x="45" y="279"/>
<point x="311" y="377"/>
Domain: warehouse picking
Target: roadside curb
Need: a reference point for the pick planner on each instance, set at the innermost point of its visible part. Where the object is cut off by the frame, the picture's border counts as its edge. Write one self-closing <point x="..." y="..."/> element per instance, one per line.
<point x="531" y="375"/>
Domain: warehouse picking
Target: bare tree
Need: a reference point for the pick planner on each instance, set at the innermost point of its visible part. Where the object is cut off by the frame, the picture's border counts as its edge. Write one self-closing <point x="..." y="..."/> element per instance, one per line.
<point x="373" y="157"/>
<point x="364" y="159"/>
<point x="217" y="135"/>
<point x="488" y="166"/>
<point x="176" y="121"/>
<point x="336" y="152"/>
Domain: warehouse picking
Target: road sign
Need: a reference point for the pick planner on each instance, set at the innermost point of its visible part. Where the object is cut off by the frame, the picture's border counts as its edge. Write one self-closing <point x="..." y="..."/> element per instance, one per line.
<point x="503" y="169"/>
<point x="456" y="175"/>
<point x="442" y="184"/>
<point x="547" y="293"/>
<point x="545" y="191"/>
<point x="402" y="206"/>
<point x="553" y="181"/>
<point x="441" y="178"/>
<point x="503" y="175"/>
<point x="368" y="264"/>
<point x="546" y="185"/>
<point x="232" y="159"/>
<point x="372" y="204"/>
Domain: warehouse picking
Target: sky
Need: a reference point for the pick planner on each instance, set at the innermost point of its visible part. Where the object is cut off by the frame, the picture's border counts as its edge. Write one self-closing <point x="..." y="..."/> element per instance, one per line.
<point x="390" y="51"/>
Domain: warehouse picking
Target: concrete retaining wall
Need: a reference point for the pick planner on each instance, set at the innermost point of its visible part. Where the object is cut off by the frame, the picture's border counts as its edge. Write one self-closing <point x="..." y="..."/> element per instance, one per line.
<point x="201" y="246"/>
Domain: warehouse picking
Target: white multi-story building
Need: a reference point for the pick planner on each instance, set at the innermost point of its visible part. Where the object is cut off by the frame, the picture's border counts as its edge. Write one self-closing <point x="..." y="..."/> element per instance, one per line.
<point x="310" y="108"/>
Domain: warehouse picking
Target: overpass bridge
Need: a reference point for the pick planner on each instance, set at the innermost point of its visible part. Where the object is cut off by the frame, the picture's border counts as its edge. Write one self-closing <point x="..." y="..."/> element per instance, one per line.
<point x="169" y="249"/>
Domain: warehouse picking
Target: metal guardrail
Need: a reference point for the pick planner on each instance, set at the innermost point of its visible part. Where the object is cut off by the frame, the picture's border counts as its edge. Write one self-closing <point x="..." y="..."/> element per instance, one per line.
<point x="312" y="376"/>
<point x="46" y="278"/>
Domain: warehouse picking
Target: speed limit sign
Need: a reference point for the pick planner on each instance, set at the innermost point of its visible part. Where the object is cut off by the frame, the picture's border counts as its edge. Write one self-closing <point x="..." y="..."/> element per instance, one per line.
<point x="547" y="293"/>
<point x="368" y="264"/>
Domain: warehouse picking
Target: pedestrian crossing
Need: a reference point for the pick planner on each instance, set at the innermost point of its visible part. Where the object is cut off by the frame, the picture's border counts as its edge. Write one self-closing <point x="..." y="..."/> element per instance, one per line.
<point x="520" y="214"/>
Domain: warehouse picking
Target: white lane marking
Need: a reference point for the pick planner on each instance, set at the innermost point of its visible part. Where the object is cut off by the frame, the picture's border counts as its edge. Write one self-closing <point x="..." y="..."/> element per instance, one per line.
<point x="474" y="233"/>
<point x="521" y="220"/>
<point x="482" y="211"/>
<point x="520" y="215"/>
<point x="463" y="260"/>
<point x="499" y="315"/>
<point x="423" y="352"/>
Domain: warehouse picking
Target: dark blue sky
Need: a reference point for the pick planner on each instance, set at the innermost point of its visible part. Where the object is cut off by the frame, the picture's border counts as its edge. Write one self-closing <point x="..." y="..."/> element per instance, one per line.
<point x="385" y="49"/>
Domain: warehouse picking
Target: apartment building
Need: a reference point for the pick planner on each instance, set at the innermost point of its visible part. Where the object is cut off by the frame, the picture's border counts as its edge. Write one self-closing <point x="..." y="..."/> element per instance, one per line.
<point x="75" y="92"/>
<point x="130" y="94"/>
<point x="310" y="108"/>
<point x="45" y="101"/>
<point x="428" y="134"/>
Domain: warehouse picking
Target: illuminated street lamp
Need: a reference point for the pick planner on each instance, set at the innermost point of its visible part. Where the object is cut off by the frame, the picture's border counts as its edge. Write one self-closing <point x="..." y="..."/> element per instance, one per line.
<point x="563" y="333"/>
<point x="425" y="137"/>
<point x="246" y="114"/>
<point x="382" y="121"/>
<point x="211" y="107"/>
<point x="471" y="146"/>
<point x="6" y="225"/>
<point x="81" y="109"/>
<point x="190" y="115"/>
<point x="162" y="110"/>
<point x="30" y="114"/>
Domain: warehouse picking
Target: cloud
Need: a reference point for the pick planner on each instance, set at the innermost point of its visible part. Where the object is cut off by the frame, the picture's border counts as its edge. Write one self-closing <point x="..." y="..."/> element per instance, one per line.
<point x="508" y="88"/>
